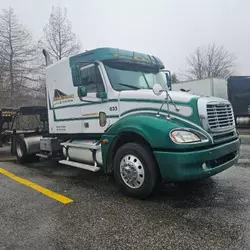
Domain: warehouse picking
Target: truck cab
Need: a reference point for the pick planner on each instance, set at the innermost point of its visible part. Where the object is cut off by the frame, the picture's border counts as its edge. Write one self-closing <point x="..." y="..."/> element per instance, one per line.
<point x="111" y="110"/>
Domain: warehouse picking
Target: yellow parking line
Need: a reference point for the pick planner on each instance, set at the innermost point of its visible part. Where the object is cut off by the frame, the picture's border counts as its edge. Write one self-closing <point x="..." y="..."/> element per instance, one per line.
<point x="45" y="191"/>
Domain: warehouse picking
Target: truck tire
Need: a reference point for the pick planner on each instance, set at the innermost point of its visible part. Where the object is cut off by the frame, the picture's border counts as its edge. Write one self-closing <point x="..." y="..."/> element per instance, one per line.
<point x="21" y="153"/>
<point x="135" y="170"/>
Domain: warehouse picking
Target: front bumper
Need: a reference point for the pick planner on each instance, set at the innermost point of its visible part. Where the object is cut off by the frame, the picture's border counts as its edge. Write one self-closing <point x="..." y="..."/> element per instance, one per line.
<point x="184" y="166"/>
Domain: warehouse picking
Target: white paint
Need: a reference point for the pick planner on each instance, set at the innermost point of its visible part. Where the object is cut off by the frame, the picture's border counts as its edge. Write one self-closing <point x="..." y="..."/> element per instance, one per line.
<point x="147" y="98"/>
<point x="148" y="94"/>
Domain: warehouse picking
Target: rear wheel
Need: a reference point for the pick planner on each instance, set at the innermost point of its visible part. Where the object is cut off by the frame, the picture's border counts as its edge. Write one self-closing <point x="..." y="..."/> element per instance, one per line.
<point x="135" y="170"/>
<point x="21" y="153"/>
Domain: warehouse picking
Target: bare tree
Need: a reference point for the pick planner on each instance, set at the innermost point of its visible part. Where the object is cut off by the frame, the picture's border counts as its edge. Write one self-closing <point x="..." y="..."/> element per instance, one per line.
<point x="18" y="54"/>
<point x="2" y="71"/>
<point x="175" y="78"/>
<point x="210" y="61"/>
<point x="59" y="40"/>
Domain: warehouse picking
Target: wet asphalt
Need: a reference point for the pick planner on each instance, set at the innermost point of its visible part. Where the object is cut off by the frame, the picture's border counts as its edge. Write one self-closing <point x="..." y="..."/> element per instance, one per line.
<point x="211" y="214"/>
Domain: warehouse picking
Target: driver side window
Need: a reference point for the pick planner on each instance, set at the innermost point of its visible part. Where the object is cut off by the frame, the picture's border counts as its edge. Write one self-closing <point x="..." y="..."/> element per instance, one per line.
<point x="92" y="79"/>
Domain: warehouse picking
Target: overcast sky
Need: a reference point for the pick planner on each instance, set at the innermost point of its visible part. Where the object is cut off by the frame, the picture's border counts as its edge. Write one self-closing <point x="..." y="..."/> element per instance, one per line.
<point x="169" y="29"/>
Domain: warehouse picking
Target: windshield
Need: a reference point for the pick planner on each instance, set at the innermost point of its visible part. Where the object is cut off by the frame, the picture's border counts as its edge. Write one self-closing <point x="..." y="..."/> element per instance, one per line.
<point x="132" y="77"/>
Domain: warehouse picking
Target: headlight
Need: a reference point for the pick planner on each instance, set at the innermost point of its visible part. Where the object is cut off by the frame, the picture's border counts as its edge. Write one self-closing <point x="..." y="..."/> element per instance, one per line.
<point x="182" y="136"/>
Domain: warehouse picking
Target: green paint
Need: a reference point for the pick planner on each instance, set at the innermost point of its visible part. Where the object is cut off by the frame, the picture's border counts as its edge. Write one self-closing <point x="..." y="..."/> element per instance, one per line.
<point x="103" y="54"/>
<point x="80" y="104"/>
<point x="154" y="129"/>
<point x="102" y="95"/>
<point x="105" y="149"/>
<point x="177" y="162"/>
<point x="109" y="54"/>
<point x="181" y="166"/>
<point x="82" y="91"/>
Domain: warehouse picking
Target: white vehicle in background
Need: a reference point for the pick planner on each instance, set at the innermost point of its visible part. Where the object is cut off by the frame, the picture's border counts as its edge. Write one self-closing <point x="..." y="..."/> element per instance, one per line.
<point x="212" y="86"/>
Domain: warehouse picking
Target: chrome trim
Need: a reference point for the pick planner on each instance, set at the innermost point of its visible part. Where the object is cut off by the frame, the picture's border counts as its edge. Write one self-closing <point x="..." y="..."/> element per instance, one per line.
<point x="202" y="104"/>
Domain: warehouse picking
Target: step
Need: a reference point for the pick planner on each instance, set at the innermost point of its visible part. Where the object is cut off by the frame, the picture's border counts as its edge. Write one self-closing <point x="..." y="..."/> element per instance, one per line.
<point x="80" y="165"/>
<point x="43" y="156"/>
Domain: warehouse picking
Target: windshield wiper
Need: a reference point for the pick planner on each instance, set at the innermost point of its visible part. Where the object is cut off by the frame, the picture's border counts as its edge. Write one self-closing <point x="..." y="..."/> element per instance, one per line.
<point x="130" y="86"/>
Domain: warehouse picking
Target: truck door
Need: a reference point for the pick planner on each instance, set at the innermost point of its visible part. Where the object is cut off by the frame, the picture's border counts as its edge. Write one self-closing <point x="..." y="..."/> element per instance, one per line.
<point x="95" y="108"/>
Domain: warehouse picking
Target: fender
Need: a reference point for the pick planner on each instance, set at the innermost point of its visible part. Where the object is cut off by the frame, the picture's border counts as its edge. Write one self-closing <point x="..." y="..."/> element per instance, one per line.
<point x="32" y="143"/>
<point x="155" y="130"/>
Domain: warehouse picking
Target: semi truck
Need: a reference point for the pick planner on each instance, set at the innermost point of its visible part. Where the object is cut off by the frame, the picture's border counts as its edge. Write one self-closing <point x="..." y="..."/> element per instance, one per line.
<point x="239" y="97"/>
<point x="111" y="110"/>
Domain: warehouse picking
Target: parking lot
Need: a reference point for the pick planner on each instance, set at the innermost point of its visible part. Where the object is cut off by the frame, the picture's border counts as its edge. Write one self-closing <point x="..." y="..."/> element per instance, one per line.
<point x="51" y="206"/>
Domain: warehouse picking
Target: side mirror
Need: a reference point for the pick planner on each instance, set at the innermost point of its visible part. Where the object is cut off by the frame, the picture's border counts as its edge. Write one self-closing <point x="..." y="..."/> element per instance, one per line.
<point x="82" y="91"/>
<point x="157" y="89"/>
<point x="101" y="95"/>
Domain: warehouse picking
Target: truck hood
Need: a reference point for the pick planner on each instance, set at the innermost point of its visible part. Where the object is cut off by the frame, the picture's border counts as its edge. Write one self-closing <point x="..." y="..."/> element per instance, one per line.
<point x="147" y="94"/>
<point x="192" y="108"/>
<point x="146" y="101"/>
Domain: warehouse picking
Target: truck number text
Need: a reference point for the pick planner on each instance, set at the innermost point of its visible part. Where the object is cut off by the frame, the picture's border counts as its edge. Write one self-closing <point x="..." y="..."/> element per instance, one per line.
<point x="113" y="108"/>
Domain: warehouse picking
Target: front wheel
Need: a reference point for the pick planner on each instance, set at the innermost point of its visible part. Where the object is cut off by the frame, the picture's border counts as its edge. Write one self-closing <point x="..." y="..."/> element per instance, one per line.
<point x="135" y="170"/>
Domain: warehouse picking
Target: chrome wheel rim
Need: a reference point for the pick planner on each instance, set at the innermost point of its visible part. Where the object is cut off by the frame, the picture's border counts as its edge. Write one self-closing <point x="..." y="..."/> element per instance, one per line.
<point x="19" y="150"/>
<point x="132" y="171"/>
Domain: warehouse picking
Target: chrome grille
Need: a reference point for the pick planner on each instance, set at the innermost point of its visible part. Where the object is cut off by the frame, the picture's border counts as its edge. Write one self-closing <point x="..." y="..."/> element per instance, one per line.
<point x="220" y="116"/>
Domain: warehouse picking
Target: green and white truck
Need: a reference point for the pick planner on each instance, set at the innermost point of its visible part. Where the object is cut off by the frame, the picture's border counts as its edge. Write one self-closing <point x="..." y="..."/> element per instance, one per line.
<point x="113" y="110"/>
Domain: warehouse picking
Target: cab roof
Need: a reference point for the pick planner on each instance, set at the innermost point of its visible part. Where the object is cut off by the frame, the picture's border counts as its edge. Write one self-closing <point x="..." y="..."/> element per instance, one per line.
<point x="115" y="54"/>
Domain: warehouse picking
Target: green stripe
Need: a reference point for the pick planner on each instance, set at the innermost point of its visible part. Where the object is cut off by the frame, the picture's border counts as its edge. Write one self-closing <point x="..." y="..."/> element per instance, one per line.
<point x="77" y="118"/>
<point x="112" y="100"/>
<point x="143" y="109"/>
<point x="79" y="105"/>
<point x="151" y="101"/>
<point x="112" y="116"/>
<point x="84" y="118"/>
<point x="116" y="100"/>
<point x="151" y="109"/>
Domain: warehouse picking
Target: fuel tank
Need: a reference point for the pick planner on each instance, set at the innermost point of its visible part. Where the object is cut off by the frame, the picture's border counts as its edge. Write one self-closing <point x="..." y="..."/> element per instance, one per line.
<point x="82" y="151"/>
